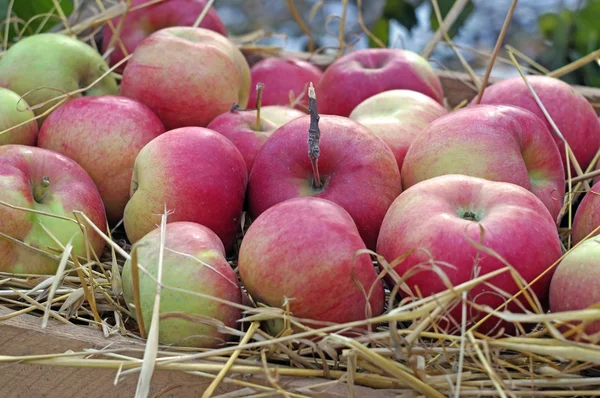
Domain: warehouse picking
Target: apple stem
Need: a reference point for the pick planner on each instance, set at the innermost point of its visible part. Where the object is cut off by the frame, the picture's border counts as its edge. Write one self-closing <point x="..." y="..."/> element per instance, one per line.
<point x="314" y="135"/>
<point x="259" y="90"/>
<point x="41" y="190"/>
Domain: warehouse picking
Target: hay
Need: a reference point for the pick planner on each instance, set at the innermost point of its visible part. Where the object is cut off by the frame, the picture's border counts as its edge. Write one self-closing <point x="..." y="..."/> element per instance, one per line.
<point x="403" y="350"/>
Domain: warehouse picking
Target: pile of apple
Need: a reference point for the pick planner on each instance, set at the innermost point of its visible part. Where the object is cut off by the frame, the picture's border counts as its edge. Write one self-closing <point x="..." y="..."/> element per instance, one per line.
<point x="332" y="166"/>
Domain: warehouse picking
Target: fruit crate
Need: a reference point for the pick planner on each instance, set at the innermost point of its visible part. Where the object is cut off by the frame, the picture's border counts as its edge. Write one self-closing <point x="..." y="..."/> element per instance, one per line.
<point x="84" y="345"/>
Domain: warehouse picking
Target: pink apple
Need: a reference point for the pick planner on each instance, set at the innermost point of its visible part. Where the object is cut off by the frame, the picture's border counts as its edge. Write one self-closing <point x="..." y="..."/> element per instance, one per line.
<point x="187" y="76"/>
<point x="240" y="127"/>
<point x="145" y="20"/>
<point x="437" y="217"/>
<point x="103" y="134"/>
<point x="357" y="168"/>
<point x="361" y="74"/>
<point x="571" y="112"/>
<point x="193" y="260"/>
<point x="303" y="249"/>
<point x="587" y="215"/>
<point x="282" y="76"/>
<point x="496" y="142"/>
<point x="575" y="286"/>
<point x="197" y="173"/>
<point x="16" y="121"/>
<point x="397" y="116"/>
<point x="45" y="181"/>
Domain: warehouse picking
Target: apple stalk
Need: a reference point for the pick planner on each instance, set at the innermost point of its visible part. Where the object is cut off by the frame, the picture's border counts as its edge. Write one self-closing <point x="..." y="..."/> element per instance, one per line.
<point x="259" y="90"/>
<point x="40" y="191"/>
<point x="314" y="136"/>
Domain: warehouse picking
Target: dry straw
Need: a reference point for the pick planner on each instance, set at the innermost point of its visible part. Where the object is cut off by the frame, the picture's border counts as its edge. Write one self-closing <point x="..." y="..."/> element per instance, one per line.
<point x="403" y="352"/>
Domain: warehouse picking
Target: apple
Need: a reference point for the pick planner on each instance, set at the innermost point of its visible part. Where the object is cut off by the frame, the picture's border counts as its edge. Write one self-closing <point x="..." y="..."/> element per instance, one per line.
<point x="45" y="181"/>
<point x="305" y="250"/>
<point x="280" y="114"/>
<point x="436" y="218"/>
<point x="571" y="112"/>
<point x="147" y="19"/>
<point x="47" y="65"/>
<point x="358" y="75"/>
<point x="587" y="215"/>
<point x="397" y="116"/>
<point x="187" y="76"/>
<point x="197" y="173"/>
<point x="357" y="169"/>
<point x="282" y="76"/>
<point x="495" y="142"/>
<point x="16" y="120"/>
<point x="103" y="134"/>
<point x="193" y="260"/>
<point x="574" y="285"/>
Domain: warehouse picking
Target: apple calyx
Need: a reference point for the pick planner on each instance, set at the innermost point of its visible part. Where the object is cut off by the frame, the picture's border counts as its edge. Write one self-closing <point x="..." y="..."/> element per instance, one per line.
<point x="41" y="190"/>
<point x="259" y="90"/>
<point x="469" y="215"/>
<point x="314" y="136"/>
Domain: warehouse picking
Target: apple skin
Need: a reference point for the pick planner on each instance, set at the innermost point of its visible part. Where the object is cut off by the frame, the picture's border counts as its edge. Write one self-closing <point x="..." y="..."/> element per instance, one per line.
<point x="103" y="134"/>
<point x="280" y="76"/>
<point x="304" y="249"/>
<point x="71" y="189"/>
<point x="13" y="111"/>
<point x="397" y="116"/>
<point x="280" y="114"/>
<point x="429" y="219"/>
<point x="575" y="284"/>
<point x="571" y="112"/>
<point x="142" y="22"/>
<point x="197" y="173"/>
<point x="187" y="76"/>
<point x="53" y="60"/>
<point x="587" y="215"/>
<point x="371" y="71"/>
<point x="495" y="142"/>
<point x="357" y="168"/>
<point x="240" y="128"/>
<point x="193" y="260"/>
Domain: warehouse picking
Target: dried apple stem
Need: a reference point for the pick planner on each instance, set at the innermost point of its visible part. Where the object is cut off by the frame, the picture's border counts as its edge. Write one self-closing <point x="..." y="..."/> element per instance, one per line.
<point x="314" y="135"/>
<point x="259" y="90"/>
<point x="40" y="191"/>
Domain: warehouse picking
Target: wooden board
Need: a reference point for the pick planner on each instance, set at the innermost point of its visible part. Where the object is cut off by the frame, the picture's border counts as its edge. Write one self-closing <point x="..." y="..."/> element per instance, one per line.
<point x="23" y="335"/>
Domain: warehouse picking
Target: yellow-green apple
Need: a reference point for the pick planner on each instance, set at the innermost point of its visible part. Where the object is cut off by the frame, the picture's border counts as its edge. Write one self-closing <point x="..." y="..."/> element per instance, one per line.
<point x="571" y="112"/>
<point x="194" y="261"/>
<point x="495" y="142"/>
<point x="197" y="173"/>
<point x="587" y="215"/>
<point x="282" y="76"/>
<point x="305" y="250"/>
<point x="358" y="75"/>
<point x="144" y="20"/>
<point x="575" y="286"/>
<point x="357" y="169"/>
<point x="45" y="181"/>
<point x="103" y="134"/>
<point x="187" y="76"/>
<point x="16" y="120"/>
<point x="248" y="135"/>
<point x="445" y="221"/>
<point x="397" y="116"/>
<point x="47" y="65"/>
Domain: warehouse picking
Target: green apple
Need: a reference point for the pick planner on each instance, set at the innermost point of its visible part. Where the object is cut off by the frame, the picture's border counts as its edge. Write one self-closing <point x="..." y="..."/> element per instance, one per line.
<point x="16" y="116"/>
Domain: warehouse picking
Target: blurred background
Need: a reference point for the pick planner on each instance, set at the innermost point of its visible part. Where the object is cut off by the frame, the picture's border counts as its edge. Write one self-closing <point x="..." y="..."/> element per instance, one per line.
<point x="550" y="32"/>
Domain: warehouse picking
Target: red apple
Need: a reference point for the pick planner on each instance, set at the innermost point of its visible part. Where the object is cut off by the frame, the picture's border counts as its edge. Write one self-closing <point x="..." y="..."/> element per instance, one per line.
<point x="361" y="74"/>
<point x="187" y="76"/>
<point x="571" y="112"/>
<point x="576" y="286"/>
<point x="303" y="249"/>
<point x="198" y="174"/>
<point x="103" y="134"/>
<point x="357" y="168"/>
<point x="495" y="142"/>
<point x="147" y="19"/>
<point x="280" y="114"/>
<point x="45" y="181"/>
<point x="397" y="116"/>
<point x="587" y="215"/>
<point x="193" y="260"/>
<point x="280" y="77"/>
<point x="437" y="217"/>
<point x="15" y="116"/>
